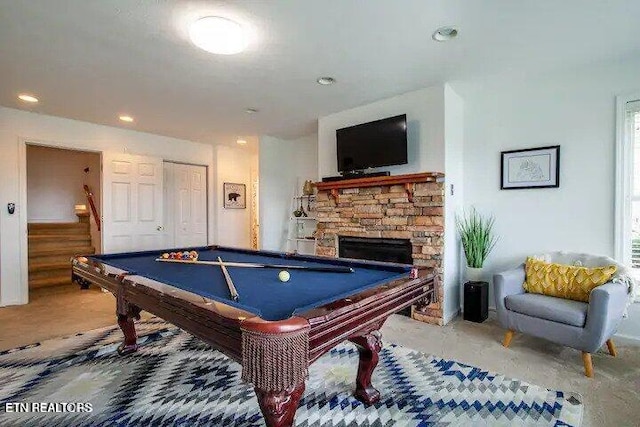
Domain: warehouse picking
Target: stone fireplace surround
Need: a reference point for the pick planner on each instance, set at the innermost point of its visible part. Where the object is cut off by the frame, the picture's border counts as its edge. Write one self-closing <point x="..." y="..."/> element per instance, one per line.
<point x="389" y="207"/>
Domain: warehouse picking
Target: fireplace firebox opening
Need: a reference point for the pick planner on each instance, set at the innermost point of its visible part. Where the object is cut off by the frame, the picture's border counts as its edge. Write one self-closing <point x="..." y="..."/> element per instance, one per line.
<point x="373" y="249"/>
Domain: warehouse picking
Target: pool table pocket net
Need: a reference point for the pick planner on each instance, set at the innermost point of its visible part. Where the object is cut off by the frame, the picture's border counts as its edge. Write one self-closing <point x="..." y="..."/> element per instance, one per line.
<point x="275" y="362"/>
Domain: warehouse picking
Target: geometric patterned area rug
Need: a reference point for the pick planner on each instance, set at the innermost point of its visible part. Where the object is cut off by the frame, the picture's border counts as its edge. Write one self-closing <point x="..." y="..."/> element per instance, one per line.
<point x="176" y="379"/>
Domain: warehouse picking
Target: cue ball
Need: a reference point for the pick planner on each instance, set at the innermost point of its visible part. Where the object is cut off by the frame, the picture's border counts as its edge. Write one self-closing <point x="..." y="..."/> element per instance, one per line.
<point x="284" y="276"/>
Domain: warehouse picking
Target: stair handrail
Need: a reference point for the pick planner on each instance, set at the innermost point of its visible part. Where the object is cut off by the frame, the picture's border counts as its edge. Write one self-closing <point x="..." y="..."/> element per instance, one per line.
<point x="92" y="204"/>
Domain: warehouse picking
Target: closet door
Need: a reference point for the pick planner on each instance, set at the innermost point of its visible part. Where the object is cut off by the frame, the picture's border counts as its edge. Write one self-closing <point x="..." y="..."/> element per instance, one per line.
<point x="190" y="205"/>
<point x="198" y="178"/>
<point x="169" y="204"/>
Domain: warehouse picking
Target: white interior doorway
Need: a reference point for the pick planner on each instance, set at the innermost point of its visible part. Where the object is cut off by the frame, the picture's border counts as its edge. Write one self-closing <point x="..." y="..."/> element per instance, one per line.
<point x="185" y="207"/>
<point x="62" y="186"/>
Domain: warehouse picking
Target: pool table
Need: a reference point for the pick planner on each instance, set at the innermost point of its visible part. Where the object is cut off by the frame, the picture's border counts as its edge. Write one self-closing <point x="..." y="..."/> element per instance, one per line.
<point x="275" y="329"/>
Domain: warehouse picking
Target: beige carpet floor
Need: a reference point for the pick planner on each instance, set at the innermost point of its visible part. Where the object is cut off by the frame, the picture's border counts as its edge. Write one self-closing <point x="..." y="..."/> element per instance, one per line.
<point x="612" y="398"/>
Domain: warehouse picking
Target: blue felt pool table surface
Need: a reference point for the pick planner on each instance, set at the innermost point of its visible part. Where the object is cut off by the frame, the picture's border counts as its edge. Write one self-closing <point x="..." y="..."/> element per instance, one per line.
<point x="260" y="290"/>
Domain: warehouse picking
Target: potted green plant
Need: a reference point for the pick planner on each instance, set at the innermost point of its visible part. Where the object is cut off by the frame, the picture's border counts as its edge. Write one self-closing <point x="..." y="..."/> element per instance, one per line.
<point x="478" y="240"/>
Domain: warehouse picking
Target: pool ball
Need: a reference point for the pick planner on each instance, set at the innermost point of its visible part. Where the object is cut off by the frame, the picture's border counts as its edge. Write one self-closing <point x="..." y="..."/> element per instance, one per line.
<point x="284" y="276"/>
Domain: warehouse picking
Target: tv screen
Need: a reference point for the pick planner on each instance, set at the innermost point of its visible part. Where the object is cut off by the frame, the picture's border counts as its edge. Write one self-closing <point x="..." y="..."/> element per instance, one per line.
<point x="373" y="144"/>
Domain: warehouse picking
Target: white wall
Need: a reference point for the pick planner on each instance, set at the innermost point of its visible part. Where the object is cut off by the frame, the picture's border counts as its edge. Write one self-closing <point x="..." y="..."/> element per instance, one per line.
<point x="425" y="130"/>
<point x="54" y="182"/>
<point x="284" y="164"/>
<point x="453" y="200"/>
<point x="18" y="127"/>
<point x="233" y="164"/>
<point x="574" y="109"/>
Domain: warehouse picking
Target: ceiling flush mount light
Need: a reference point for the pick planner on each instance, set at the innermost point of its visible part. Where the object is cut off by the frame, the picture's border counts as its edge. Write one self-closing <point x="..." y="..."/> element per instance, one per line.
<point x="218" y="35"/>
<point x="444" y="34"/>
<point x="325" y="81"/>
<point x="251" y="110"/>
<point x="126" y="118"/>
<point x="28" y="98"/>
<point x="241" y="141"/>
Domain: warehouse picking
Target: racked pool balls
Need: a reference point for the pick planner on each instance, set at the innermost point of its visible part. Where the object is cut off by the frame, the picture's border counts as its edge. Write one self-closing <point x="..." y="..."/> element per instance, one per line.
<point x="180" y="255"/>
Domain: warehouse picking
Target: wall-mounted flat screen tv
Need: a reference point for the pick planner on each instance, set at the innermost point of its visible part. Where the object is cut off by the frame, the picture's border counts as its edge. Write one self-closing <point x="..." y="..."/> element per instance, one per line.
<point x="373" y="144"/>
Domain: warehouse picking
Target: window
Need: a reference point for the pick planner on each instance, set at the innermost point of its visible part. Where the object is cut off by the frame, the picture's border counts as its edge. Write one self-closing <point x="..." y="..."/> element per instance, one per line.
<point x="628" y="183"/>
<point x="634" y="129"/>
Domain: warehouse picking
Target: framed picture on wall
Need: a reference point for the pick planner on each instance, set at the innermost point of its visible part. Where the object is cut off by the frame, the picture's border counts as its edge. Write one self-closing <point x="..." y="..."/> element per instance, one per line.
<point x="235" y="196"/>
<point x="530" y="168"/>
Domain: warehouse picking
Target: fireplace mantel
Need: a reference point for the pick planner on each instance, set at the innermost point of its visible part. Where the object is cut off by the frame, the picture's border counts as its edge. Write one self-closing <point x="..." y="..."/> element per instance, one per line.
<point x="377" y="181"/>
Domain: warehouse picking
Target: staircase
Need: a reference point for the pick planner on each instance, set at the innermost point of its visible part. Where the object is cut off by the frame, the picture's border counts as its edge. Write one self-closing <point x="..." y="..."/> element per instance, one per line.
<point x="51" y="246"/>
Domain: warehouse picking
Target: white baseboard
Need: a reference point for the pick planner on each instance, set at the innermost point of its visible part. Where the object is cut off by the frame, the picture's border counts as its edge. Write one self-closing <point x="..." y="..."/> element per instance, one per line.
<point x="9" y="303"/>
<point x="629" y="338"/>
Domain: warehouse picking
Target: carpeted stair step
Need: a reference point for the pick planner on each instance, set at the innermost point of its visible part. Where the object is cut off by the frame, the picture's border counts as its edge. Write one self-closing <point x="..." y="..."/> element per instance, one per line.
<point x="48" y="238"/>
<point x="44" y="273"/>
<point x="67" y="252"/>
<point x="35" y="267"/>
<point x="58" y="228"/>
<point x="58" y="280"/>
<point x="60" y="243"/>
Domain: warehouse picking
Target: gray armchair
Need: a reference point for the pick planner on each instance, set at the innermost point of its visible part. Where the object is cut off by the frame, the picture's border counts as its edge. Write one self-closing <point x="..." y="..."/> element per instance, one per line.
<point x="580" y="325"/>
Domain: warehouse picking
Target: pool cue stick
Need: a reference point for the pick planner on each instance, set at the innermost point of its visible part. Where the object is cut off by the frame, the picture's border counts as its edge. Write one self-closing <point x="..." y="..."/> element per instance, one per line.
<point x="258" y="265"/>
<point x="227" y="278"/>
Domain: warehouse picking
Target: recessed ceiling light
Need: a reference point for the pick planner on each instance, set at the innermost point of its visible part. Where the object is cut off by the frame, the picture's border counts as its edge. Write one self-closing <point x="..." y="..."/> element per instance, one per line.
<point x="27" y="98"/>
<point x="126" y="118"/>
<point x="251" y="110"/>
<point x="218" y="35"/>
<point x="444" y="34"/>
<point x="241" y="141"/>
<point x="326" y="81"/>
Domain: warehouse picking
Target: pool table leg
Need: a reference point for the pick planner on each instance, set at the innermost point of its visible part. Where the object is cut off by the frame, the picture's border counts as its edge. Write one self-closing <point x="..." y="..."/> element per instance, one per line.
<point x="125" y="321"/>
<point x="279" y="408"/>
<point x="369" y="346"/>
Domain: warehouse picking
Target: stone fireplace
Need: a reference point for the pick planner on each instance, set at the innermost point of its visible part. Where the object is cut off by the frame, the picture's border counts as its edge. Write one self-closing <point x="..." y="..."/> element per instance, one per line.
<point x="402" y="213"/>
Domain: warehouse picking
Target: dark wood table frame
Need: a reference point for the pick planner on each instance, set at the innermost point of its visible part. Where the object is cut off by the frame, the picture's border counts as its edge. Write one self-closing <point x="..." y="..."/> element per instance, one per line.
<point x="357" y="319"/>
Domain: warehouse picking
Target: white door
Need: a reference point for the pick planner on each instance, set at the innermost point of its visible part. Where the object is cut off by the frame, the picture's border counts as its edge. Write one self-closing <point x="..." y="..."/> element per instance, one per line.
<point x="186" y="204"/>
<point x="168" y="208"/>
<point x="132" y="203"/>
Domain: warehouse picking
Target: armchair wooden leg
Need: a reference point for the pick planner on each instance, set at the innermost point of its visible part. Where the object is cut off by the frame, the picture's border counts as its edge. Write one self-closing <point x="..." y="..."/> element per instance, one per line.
<point x="611" y="347"/>
<point x="507" y="338"/>
<point x="588" y="364"/>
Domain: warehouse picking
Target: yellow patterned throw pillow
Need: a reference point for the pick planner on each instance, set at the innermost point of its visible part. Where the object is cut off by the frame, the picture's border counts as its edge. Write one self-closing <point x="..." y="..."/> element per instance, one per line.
<point x="564" y="281"/>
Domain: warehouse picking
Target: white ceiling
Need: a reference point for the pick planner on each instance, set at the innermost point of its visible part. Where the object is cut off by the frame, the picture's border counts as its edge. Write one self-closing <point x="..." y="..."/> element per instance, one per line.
<point x="94" y="59"/>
